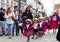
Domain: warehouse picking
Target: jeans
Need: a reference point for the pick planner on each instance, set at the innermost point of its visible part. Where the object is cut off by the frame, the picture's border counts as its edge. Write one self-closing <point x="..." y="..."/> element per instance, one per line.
<point x="6" y="28"/>
<point x="2" y="26"/>
<point x="10" y="29"/>
<point x="0" y="30"/>
<point x="16" y="24"/>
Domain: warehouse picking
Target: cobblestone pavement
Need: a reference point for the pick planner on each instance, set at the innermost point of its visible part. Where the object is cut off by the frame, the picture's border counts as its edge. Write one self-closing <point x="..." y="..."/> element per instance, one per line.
<point x="48" y="37"/>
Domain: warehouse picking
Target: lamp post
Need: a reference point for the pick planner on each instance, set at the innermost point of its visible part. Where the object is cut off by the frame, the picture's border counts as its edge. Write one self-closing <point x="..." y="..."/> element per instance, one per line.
<point x="19" y="4"/>
<point x="36" y="6"/>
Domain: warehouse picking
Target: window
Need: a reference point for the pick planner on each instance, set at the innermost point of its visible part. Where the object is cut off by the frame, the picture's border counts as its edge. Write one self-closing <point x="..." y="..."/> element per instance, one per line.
<point x="2" y="3"/>
<point x="7" y="2"/>
<point x="15" y="3"/>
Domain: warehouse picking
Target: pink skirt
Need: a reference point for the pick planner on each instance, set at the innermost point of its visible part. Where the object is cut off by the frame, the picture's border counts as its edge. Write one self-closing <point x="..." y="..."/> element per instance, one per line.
<point x="28" y="32"/>
<point x="45" y="28"/>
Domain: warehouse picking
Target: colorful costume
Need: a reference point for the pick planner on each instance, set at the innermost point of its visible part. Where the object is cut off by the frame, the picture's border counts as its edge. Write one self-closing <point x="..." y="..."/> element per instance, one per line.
<point x="28" y="30"/>
<point x="54" y="21"/>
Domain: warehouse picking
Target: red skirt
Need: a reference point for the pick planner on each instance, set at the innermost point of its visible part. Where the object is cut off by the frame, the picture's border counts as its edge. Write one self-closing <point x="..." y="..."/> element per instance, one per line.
<point x="54" y="24"/>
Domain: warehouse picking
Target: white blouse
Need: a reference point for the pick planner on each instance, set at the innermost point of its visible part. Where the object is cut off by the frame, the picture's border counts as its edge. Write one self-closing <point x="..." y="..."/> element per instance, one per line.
<point x="9" y="20"/>
<point x="54" y="18"/>
<point x="46" y="21"/>
<point x="16" y="17"/>
<point x="41" y="23"/>
<point x="27" y="26"/>
<point x="35" y="25"/>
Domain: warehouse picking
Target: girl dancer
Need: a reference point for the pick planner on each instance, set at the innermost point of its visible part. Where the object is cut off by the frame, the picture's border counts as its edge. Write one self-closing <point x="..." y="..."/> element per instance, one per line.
<point x="48" y="23"/>
<point x="40" y="26"/>
<point x="54" y="22"/>
<point x="35" y="26"/>
<point x="28" y="29"/>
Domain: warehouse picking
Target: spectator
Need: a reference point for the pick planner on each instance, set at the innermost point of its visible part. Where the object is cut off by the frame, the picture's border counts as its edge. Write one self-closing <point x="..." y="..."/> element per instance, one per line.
<point x="27" y="14"/>
<point x="16" y="19"/>
<point x="9" y="20"/>
<point x="4" y="11"/>
<point x="2" y="24"/>
<point x="20" y="22"/>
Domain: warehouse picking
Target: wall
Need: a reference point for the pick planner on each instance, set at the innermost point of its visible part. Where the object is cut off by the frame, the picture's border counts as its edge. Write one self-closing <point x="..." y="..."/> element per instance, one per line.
<point x="49" y="5"/>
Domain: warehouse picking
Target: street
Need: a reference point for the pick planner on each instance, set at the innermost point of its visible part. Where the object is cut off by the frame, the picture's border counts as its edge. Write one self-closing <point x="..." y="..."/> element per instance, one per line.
<point x="48" y="37"/>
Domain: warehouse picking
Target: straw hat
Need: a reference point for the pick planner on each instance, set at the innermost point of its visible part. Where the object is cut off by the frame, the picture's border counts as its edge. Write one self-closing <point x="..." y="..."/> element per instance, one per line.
<point x="28" y="20"/>
<point x="36" y="19"/>
<point x="39" y="18"/>
<point x="43" y="18"/>
<point x="47" y="17"/>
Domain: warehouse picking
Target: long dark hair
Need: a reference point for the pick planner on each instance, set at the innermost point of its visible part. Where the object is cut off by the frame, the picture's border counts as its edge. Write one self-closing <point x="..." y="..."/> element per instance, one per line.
<point x="27" y="10"/>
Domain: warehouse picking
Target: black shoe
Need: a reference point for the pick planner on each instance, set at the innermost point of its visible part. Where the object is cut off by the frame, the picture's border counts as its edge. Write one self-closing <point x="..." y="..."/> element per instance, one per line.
<point x="21" y="32"/>
<point x="16" y="35"/>
<point x="32" y="37"/>
<point x="10" y="37"/>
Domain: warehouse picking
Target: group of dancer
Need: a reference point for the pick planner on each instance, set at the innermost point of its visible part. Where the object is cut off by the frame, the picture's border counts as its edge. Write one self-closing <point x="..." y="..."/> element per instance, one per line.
<point x="38" y="26"/>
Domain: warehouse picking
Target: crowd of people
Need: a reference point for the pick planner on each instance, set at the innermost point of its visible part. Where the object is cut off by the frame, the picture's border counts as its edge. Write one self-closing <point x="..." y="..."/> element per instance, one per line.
<point x="17" y="19"/>
<point x="12" y="19"/>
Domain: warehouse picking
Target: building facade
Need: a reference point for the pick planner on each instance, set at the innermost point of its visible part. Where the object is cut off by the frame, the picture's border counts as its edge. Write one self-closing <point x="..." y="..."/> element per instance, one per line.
<point x="7" y="3"/>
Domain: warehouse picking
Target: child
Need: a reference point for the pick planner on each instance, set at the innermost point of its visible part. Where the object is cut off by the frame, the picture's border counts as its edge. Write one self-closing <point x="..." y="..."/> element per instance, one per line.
<point x="48" y="23"/>
<point x="35" y="26"/>
<point x="20" y="22"/>
<point x="54" y="22"/>
<point x="40" y="26"/>
<point x="28" y="29"/>
<point x="44" y="28"/>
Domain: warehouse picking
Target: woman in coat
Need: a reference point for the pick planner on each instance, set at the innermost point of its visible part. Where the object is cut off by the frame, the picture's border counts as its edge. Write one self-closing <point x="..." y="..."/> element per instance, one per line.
<point x="27" y="14"/>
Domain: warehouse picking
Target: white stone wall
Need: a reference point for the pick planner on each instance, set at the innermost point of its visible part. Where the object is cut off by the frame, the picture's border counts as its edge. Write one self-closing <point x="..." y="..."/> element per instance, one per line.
<point x="31" y="2"/>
